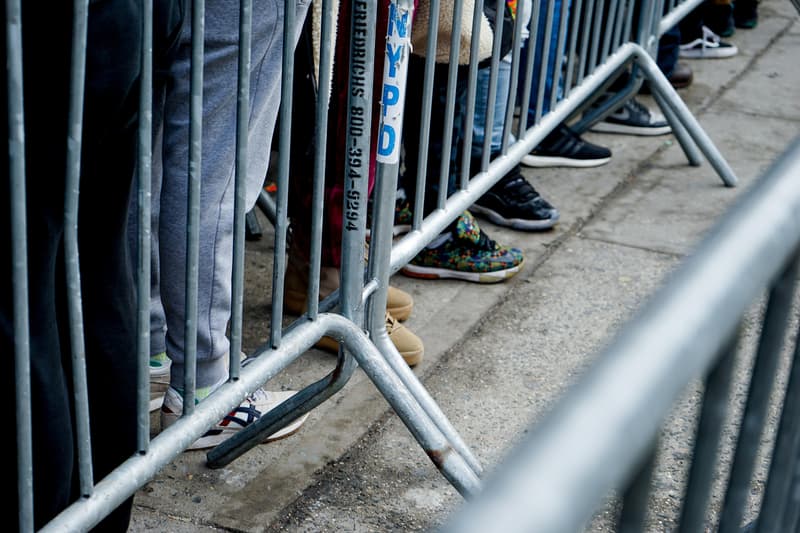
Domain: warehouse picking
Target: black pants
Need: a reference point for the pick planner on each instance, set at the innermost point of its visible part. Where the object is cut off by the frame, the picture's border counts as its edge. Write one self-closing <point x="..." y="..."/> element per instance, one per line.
<point x="412" y="124"/>
<point x="108" y="163"/>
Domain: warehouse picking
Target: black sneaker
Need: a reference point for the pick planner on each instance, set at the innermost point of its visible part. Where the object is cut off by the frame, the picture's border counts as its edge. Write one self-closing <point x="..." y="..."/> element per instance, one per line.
<point x="707" y="46"/>
<point x="514" y="203"/>
<point x="634" y="118"/>
<point x="565" y="148"/>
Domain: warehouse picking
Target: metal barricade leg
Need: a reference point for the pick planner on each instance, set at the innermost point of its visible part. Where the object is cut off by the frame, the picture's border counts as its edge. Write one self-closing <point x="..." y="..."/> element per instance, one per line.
<point x="444" y="455"/>
<point x="661" y="86"/>
<point x="281" y="416"/>
<point x="684" y="139"/>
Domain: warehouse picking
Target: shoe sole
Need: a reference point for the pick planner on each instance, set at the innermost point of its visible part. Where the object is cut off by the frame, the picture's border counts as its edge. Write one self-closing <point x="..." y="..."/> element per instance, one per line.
<point x="541" y="161"/>
<point x="209" y="441"/>
<point x="514" y="223"/>
<point x="708" y="53"/>
<point x="213" y="440"/>
<point x="643" y="131"/>
<point x="415" y="271"/>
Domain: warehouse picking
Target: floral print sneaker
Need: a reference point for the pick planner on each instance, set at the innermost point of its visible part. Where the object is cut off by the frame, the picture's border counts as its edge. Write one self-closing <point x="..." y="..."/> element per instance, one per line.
<point x="467" y="253"/>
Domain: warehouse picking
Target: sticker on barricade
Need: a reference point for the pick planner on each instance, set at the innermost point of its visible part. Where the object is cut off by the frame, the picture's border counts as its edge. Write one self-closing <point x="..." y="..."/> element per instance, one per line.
<point x="395" y="72"/>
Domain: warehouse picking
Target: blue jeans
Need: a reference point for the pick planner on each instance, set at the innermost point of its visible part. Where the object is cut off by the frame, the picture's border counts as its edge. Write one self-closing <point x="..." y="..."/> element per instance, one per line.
<point x="481" y="108"/>
<point x="552" y="54"/>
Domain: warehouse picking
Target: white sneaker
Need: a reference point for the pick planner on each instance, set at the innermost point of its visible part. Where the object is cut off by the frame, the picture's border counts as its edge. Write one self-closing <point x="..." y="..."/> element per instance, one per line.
<point x="250" y="410"/>
<point x="709" y="46"/>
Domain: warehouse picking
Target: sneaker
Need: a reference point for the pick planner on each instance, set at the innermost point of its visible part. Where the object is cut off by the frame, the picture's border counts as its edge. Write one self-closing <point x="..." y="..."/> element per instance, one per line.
<point x="159" y="379"/>
<point x="250" y="410"/>
<point x="467" y="253"/>
<point x="634" y="118"/>
<point x="514" y="203"/>
<point x="565" y="148"/>
<point x="398" y="302"/>
<point x="709" y="46"/>
<point x="407" y="343"/>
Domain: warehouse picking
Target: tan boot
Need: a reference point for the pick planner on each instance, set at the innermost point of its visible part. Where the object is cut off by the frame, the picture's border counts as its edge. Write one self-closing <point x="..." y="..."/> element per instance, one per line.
<point x="399" y="303"/>
<point x="407" y="343"/>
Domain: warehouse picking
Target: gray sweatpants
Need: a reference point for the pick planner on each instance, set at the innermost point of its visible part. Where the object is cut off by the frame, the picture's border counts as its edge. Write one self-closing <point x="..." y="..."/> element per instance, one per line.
<point x="170" y="178"/>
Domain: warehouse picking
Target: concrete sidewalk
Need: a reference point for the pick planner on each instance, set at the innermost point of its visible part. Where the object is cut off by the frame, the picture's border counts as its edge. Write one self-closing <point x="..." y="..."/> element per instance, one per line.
<point x="498" y="356"/>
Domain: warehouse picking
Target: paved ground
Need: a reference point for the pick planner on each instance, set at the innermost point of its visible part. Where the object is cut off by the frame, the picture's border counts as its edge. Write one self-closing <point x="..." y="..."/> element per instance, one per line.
<point x="498" y="356"/>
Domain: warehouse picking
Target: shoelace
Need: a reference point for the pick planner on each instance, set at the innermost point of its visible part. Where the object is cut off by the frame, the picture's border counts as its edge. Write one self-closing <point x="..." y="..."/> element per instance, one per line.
<point x="638" y="107"/>
<point x="391" y="323"/>
<point x="710" y="37"/>
<point x="484" y="242"/>
<point x="523" y="190"/>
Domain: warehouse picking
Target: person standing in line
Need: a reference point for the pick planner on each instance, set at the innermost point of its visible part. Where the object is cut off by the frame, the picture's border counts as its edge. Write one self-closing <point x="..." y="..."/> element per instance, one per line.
<point x="108" y="162"/>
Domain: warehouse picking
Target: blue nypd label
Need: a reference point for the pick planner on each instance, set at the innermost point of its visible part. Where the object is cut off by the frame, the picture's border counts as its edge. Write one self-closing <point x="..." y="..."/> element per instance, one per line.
<point x="395" y="71"/>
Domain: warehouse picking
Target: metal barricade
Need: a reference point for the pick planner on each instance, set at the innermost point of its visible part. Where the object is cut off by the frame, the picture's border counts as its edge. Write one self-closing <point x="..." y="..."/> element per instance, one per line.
<point x="597" y="42"/>
<point x="602" y="435"/>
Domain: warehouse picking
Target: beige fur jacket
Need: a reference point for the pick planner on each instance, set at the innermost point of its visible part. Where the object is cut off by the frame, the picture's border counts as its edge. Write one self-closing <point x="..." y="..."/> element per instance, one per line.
<point x="420" y="29"/>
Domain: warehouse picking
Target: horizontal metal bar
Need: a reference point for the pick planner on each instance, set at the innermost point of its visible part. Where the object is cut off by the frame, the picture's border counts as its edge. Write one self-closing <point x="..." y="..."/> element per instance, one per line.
<point x="124" y="481"/>
<point x="672" y="18"/>
<point x="590" y="442"/>
<point x="408" y="247"/>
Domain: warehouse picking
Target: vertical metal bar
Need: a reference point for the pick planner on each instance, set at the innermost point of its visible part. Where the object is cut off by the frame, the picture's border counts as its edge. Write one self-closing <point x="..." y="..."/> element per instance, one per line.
<point x="626" y="33"/>
<point x="240" y="179"/>
<point x="356" y="170"/>
<point x="761" y="385"/>
<point x="450" y="104"/>
<point x="486" y="151"/>
<point x="785" y="455"/>
<point x="635" y="499"/>
<point x="511" y="98"/>
<point x="659" y="84"/>
<point x="645" y="16"/>
<point x="425" y="122"/>
<point x="524" y="103"/>
<point x="545" y="63"/>
<point x="469" y="122"/>
<point x="573" y="42"/>
<point x="597" y="27"/>
<point x="709" y="433"/>
<point x="584" y="53"/>
<point x="193" y="204"/>
<point x="77" y="346"/>
<point x="19" y="257"/>
<point x="562" y="36"/>
<point x="284" y="147"/>
<point x="619" y="22"/>
<point x="321" y="136"/>
<point x="608" y="31"/>
<point x="144" y="174"/>
<point x="684" y="139"/>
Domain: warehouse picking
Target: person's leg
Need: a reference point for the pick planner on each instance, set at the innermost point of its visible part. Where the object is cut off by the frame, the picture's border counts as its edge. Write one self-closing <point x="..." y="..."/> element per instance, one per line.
<point x="216" y="201"/>
<point x="109" y="160"/>
<point x="512" y="201"/>
<point x="481" y="109"/>
<point x="45" y="114"/>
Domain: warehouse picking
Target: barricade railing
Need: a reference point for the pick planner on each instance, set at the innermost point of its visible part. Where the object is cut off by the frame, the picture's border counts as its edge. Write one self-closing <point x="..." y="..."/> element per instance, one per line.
<point x="599" y="40"/>
<point x="603" y="435"/>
